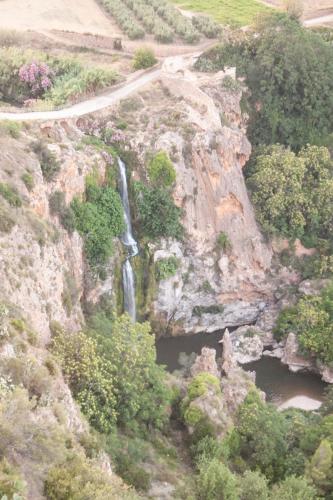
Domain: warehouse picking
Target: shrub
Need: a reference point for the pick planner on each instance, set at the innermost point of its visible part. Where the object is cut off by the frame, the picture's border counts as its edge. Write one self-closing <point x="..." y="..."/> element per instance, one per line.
<point x="297" y="488"/>
<point x="28" y="76"/>
<point x="48" y="161"/>
<point x="207" y="26"/>
<point x="158" y="215"/>
<point x="37" y="76"/>
<point x="6" y="220"/>
<point x="22" y="435"/>
<point x="165" y="268"/>
<point x="201" y="383"/>
<point x="79" y="478"/>
<point x="11" y="482"/>
<point x="124" y="18"/>
<point x="216" y="482"/>
<point x="262" y="436"/>
<point x="28" y="180"/>
<point x="193" y="415"/>
<point x="11" y="128"/>
<point x="65" y="214"/>
<point x="10" y="194"/>
<point x="99" y="219"/>
<point x="161" y="170"/>
<point x="131" y="473"/>
<point x="223" y="242"/>
<point x="214" y="309"/>
<point x="253" y="486"/>
<point x="144" y="58"/>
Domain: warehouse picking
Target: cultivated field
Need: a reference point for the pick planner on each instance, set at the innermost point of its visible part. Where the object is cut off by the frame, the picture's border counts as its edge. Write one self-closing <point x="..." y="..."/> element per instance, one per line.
<point x="234" y="12"/>
<point x="242" y="12"/>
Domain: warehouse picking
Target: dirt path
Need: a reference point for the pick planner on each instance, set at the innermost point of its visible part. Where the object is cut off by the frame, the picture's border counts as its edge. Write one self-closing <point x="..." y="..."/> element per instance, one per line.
<point x="89" y="106"/>
<point x="170" y="64"/>
<point x="317" y="21"/>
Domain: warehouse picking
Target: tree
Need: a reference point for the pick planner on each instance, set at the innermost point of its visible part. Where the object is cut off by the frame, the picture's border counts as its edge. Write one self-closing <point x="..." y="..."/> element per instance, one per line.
<point x="253" y="486"/>
<point x="129" y="349"/>
<point x="293" y="488"/>
<point x="311" y="320"/>
<point x="262" y="432"/>
<point x="89" y="376"/>
<point x="161" y="170"/>
<point x="216" y="482"/>
<point x="320" y="469"/>
<point x="289" y="73"/>
<point x="293" y="193"/>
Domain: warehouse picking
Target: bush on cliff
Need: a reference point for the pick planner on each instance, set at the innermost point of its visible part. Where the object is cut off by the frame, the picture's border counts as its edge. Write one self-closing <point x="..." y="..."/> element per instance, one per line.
<point x="158" y="215"/>
<point x="98" y="219"/>
<point x="161" y="170"/>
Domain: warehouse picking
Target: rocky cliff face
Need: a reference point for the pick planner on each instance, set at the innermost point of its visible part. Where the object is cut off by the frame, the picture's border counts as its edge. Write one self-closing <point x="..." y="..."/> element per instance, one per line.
<point x="205" y="136"/>
<point x="41" y="265"/>
<point x="198" y="120"/>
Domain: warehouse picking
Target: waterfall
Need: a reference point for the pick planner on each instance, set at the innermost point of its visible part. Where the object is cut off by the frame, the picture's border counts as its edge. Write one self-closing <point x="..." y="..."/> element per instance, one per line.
<point x="130" y="243"/>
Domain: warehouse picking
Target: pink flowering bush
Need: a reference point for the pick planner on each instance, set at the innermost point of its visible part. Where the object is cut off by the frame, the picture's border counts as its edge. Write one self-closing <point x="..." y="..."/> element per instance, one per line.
<point x="37" y="75"/>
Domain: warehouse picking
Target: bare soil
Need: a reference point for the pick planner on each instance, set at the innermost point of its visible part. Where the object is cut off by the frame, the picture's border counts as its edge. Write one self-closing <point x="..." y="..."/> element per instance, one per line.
<point x="80" y="16"/>
<point x="80" y="23"/>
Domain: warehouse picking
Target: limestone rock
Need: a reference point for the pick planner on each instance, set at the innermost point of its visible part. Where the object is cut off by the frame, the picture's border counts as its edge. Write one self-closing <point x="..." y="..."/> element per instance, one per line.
<point x="228" y="360"/>
<point x="291" y="356"/>
<point x="206" y="362"/>
<point x="248" y="344"/>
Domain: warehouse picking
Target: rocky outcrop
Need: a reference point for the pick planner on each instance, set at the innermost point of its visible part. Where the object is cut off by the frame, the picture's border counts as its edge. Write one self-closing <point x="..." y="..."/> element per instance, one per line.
<point x="289" y="353"/>
<point x="206" y="362"/>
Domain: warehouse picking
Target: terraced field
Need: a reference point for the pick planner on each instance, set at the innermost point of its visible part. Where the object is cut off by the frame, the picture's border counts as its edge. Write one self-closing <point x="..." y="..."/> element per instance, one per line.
<point x="233" y="12"/>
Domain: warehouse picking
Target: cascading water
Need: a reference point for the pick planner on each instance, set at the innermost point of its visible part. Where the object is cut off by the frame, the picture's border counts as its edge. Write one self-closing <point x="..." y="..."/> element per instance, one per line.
<point x="130" y="243"/>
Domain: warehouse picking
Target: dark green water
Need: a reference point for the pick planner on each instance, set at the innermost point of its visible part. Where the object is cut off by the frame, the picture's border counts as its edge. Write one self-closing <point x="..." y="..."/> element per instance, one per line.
<point x="272" y="376"/>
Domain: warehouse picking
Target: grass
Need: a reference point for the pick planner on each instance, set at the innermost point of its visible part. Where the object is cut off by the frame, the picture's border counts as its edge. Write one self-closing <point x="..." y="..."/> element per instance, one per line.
<point x="233" y="12"/>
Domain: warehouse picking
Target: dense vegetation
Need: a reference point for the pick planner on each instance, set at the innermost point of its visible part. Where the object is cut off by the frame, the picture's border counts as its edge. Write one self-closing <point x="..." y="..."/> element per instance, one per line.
<point x="112" y="372"/>
<point x="269" y="455"/>
<point x="293" y="193"/>
<point x="289" y="73"/>
<point x="35" y="78"/>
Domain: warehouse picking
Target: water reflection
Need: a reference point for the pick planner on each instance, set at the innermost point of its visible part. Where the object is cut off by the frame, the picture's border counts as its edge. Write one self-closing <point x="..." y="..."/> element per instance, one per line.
<point x="272" y="377"/>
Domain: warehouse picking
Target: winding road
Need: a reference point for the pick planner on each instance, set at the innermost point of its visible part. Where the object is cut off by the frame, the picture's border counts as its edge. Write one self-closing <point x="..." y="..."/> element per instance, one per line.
<point x="91" y="105"/>
<point x="134" y="83"/>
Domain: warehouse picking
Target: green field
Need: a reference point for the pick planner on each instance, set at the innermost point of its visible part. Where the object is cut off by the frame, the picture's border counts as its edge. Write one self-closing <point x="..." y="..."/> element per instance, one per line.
<point x="234" y="12"/>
